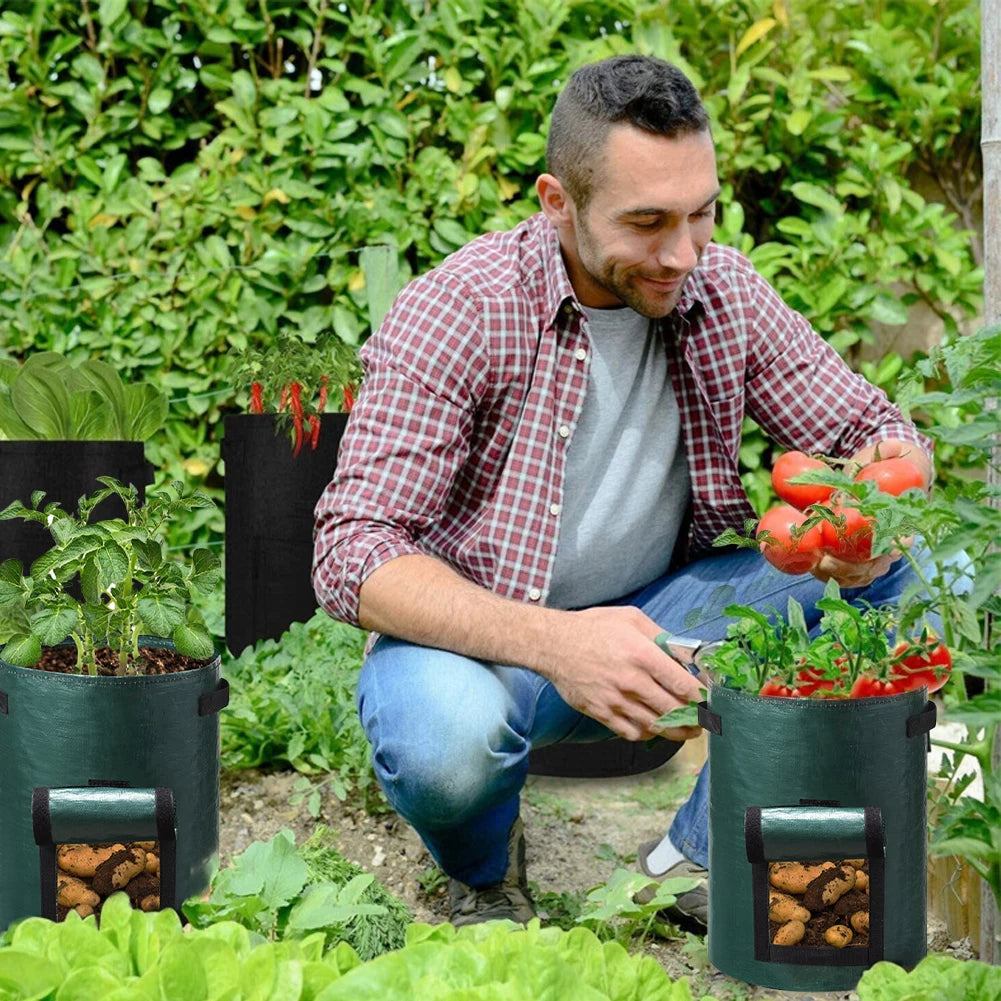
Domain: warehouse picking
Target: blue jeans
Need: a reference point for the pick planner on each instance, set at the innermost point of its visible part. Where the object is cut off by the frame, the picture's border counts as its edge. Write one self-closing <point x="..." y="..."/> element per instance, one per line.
<point x="451" y="735"/>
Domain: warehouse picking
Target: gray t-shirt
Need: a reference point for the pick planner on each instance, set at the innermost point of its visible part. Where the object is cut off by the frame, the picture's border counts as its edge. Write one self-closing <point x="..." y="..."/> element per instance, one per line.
<point x="627" y="485"/>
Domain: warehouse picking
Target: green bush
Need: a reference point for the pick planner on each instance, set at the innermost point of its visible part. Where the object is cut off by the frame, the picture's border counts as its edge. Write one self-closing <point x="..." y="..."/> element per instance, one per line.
<point x="181" y="179"/>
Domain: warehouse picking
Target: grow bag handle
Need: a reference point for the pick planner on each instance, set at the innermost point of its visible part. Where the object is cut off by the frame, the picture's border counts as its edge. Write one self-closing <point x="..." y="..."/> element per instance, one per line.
<point x="923" y="722"/>
<point x="99" y="815"/>
<point x="214" y="701"/>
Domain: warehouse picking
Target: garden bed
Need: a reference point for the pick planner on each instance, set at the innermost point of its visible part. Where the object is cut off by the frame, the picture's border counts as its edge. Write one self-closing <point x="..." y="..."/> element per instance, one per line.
<point x="578" y="832"/>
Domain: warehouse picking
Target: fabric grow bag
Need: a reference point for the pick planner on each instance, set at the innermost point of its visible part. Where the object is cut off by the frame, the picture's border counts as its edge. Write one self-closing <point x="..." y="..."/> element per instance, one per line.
<point x="270" y="497"/>
<point x="64" y="732"/>
<point x="811" y="780"/>
<point x="65" y="470"/>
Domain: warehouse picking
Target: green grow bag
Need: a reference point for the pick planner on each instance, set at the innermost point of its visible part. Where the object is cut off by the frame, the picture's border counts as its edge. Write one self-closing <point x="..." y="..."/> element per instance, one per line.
<point x="811" y="781"/>
<point x="65" y="731"/>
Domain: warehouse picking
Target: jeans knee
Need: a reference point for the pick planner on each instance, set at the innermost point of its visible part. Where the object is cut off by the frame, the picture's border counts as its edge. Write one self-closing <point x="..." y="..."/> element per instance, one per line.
<point x="434" y="783"/>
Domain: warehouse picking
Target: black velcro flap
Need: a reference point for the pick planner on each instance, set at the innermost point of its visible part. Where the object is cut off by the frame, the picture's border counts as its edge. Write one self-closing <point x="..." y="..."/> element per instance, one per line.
<point x="215" y="701"/>
<point x="709" y="720"/>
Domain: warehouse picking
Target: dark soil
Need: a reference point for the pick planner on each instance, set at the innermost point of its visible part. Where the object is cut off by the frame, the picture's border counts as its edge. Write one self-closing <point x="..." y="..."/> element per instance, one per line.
<point x="152" y="660"/>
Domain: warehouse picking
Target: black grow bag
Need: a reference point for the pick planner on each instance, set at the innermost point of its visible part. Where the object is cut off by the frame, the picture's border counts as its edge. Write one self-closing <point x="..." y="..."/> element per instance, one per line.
<point x="63" y="732"/>
<point x="65" y="470"/>
<point x="808" y="780"/>
<point x="270" y="497"/>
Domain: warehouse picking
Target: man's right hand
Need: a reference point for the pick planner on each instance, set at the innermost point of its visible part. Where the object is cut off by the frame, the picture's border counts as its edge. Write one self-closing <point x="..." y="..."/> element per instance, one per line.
<point x="604" y="662"/>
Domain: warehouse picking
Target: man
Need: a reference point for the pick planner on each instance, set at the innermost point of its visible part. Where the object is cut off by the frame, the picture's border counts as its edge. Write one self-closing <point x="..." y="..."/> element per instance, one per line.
<point x="543" y="450"/>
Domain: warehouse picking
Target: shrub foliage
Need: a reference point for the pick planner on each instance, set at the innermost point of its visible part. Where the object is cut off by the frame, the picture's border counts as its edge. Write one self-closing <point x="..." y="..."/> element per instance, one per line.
<point x="183" y="179"/>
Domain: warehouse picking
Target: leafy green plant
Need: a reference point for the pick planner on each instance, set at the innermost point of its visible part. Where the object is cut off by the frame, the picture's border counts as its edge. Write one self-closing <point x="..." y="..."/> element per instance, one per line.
<point x="49" y="398"/>
<point x="282" y="892"/>
<point x="614" y="913"/>
<point x="128" y="585"/>
<point x="501" y="960"/>
<point x="293" y="705"/>
<point x="935" y="978"/>
<point x="135" y="956"/>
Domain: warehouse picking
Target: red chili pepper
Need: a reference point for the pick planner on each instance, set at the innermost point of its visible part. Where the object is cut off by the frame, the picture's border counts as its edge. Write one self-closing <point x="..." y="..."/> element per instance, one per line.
<point x="283" y="400"/>
<point x="323" y="394"/>
<point x="314" y="431"/>
<point x="348" y="392"/>
<point x="295" y="393"/>
<point x="256" y="403"/>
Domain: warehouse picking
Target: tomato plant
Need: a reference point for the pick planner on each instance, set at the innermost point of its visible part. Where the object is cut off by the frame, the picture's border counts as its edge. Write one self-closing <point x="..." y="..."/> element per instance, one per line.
<point x="893" y="476"/>
<point x="800" y="495"/>
<point x="786" y="543"/>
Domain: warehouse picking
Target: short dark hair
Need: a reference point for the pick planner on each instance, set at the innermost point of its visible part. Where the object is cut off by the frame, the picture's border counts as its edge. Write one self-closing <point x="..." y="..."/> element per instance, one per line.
<point x="641" y="91"/>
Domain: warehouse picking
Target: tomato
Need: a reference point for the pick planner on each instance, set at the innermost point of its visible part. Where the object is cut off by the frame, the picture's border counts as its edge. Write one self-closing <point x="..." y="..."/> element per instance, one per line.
<point x="810" y="680"/>
<point x="928" y="668"/>
<point x="788" y="548"/>
<point x="800" y="495"/>
<point x="866" y="687"/>
<point x="851" y="542"/>
<point x="778" y="690"/>
<point x="893" y="476"/>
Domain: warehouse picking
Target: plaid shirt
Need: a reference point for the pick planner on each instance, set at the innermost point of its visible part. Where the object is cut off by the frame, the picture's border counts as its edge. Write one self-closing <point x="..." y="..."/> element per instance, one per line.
<point x="476" y="380"/>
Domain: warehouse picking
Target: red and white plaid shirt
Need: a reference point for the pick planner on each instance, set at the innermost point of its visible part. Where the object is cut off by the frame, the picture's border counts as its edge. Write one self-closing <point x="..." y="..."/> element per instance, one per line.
<point x="474" y="385"/>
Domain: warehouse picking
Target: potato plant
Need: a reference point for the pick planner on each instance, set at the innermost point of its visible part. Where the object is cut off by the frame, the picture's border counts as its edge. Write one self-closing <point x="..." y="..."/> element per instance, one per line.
<point x="128" y="585"/>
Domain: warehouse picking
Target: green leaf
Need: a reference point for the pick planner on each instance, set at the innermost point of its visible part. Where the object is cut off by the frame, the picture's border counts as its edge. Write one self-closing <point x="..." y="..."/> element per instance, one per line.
<point x="42" y="402"/>
<point x="112" y="563"/>
<point x="160" y="614"/>
<point x="380" y="266"/>
<point x="27" y="977"/>
<point x="107" y="383"/>
<point x="22" y="651"/>
<point x="192" y="641"/>
<point x="110" y="11"/>
<point x="53" y="625"/>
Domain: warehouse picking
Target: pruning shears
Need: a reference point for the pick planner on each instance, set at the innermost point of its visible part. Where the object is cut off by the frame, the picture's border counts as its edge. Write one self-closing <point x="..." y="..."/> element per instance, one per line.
<point x="689" y="652"/>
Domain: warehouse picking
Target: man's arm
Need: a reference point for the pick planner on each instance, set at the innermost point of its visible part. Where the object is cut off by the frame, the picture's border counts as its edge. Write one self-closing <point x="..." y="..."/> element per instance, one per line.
<point x="603" y="660"/>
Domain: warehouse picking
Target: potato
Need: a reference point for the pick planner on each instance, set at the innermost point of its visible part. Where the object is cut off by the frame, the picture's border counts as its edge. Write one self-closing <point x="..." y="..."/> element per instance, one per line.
<point x="838" y="935"/>
<point x="860" y="922"/>
<point x="791" y="933"/>
<point x="83" y="860"/>
<point x="855" y="863"/>
<point x="782" y="908"/>
<point x="862" y="881"/>
<point x="828" y="888"/>
<point x="71" y="891"/>
<point x="152" y="864"/>
<point x="794" y="877"/>
<point x="115" y="873"/>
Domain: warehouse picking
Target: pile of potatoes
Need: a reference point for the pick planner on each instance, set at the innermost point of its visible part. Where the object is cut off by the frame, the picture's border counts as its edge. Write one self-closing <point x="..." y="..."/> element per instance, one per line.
<point x="819" y="903"/>
<point x="88" y="874"/>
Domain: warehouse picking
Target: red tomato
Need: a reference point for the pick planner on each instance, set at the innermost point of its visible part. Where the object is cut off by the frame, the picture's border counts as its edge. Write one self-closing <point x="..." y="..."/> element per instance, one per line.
<point x="778" y="690"/>
<point x="893" y="476"/>
<point x="925" y="668"/>
<point x="811" y="680"/>
<point x="867" y="687"/>
<point x="800" y="495"/>
<point x="853" y="542"/>
<point x="787" y="547"/>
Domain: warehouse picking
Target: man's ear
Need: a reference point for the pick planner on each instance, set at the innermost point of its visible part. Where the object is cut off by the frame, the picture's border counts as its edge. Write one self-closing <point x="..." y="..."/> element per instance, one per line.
<point x="554" y="200"/>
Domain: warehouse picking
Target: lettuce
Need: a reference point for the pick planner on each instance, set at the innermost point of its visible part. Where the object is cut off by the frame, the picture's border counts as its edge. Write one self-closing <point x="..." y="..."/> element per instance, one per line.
<point x="935" y="978"/>
<point x="499" y="961"/>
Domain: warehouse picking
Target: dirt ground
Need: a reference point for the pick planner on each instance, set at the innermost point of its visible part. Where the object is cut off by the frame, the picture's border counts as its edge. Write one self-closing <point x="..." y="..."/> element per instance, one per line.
<point x="578" y="831"/>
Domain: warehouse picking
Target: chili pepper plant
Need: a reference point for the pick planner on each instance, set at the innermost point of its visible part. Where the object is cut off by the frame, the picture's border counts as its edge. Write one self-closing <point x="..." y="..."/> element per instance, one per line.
<point x="128" y="583"/>
<point x="299" y="381"/>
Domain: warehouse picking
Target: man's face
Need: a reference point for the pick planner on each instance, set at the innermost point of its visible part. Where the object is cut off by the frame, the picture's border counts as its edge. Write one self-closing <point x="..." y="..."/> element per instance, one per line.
<point x="650" y="217"/>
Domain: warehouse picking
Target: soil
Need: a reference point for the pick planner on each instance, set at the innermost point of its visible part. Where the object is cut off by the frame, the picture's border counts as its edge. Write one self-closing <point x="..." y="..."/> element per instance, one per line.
<point x="578" y="832"/>
<point x="152" y="660"/>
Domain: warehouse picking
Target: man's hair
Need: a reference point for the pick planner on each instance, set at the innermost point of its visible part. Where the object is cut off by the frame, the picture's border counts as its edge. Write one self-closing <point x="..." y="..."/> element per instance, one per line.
<point x="641" y="91"/>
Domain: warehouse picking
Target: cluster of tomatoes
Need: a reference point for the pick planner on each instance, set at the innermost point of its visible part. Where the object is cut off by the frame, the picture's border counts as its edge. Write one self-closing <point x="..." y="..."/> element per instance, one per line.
<point x="912" y="666"/>
<point x="794" y="546"/>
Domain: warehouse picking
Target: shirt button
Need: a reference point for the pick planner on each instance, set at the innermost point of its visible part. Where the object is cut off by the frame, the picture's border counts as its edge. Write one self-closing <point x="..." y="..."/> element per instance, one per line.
<point x="554" y="509"/>
<point x="564" y="431"/>
<point x="580" y="354"/>
<point x="534" y="594"/>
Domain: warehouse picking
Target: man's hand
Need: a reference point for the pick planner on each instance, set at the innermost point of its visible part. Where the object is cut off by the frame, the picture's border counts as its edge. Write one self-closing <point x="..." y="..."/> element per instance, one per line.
<point x="605" y="663"/>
